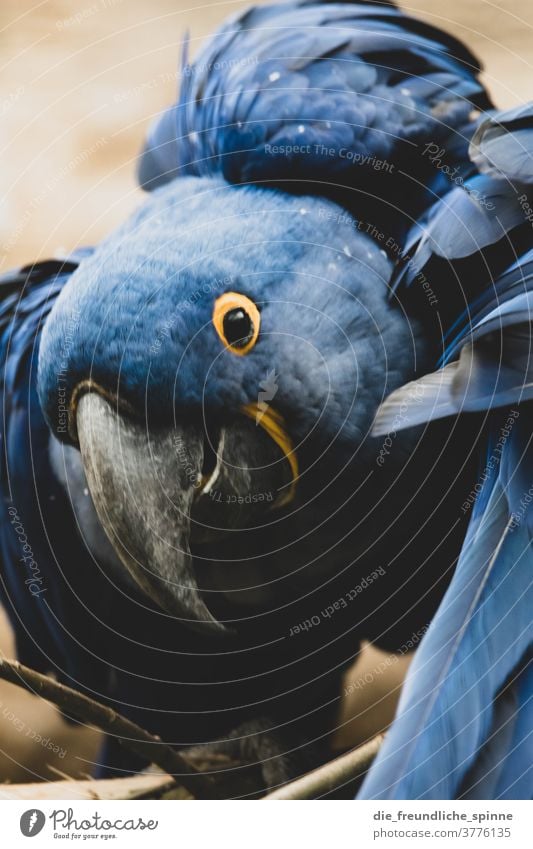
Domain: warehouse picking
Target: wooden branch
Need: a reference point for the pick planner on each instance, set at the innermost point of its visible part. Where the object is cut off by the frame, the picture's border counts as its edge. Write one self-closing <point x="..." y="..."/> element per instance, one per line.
<point x="128" y="733"/>
<point x="133" y="787"/>
<point x="187" y="770"/>
<point x="334" y="774"/>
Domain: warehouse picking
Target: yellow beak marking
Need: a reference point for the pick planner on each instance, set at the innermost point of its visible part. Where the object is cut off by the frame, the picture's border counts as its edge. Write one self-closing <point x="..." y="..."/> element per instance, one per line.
<point x="274" y="424"/>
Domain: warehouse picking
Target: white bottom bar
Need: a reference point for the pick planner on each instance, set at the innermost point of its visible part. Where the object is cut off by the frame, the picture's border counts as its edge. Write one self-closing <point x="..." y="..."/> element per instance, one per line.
<point x="267" y="825"/>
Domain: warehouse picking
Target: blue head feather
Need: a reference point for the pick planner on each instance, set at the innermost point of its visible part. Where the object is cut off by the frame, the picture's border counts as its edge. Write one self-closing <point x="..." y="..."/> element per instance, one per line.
<point x="144" y="303"/>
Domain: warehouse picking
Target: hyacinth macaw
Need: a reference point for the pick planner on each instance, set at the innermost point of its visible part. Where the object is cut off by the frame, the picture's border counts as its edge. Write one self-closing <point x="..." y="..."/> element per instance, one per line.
<point x="202" y="521"/>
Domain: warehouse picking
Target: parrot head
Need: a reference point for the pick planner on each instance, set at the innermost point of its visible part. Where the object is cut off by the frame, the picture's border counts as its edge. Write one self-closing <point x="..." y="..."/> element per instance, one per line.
<point x="204" y="360"/>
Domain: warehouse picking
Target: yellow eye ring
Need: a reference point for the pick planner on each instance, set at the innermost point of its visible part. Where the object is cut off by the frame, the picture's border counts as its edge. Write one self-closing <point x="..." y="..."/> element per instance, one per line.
<point x="237" y="321"/>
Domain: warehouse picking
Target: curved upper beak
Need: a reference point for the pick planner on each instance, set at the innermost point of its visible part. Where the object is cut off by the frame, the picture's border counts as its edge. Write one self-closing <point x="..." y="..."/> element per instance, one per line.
<point x="153" y="493"/>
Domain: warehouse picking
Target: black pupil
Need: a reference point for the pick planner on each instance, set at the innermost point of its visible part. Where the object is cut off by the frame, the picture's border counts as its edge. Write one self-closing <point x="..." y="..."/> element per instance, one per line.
<point x="238" y="328"/>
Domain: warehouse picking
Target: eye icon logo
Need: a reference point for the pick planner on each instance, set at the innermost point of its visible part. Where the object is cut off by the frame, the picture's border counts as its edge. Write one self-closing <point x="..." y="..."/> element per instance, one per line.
<point x="32" y="822"/>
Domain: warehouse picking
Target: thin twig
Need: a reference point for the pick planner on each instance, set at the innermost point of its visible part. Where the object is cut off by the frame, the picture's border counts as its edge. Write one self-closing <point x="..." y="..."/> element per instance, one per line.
<point x="334" y="774"/>
<point x="133" y="787"/>
<point x="86" y="709"/>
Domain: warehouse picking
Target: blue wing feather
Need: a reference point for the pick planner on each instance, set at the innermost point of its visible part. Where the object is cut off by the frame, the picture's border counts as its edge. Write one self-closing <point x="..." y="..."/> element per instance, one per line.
<point x="465" y="718"/>
<point x="515" y="780"/>
<point x="476" y="642"/>
<point x="504" y="769"/>
<point x="481" y="782"/>
<point x="501" y="145"/>
<point x="35" y="508"/>
<point x="482" y="229"/>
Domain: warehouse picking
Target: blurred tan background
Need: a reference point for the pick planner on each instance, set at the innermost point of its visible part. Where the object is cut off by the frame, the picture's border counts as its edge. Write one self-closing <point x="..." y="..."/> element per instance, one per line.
<point x="80" y="81"/>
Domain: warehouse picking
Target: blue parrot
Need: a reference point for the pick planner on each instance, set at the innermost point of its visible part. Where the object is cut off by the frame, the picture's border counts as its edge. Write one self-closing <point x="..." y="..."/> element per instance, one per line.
<point x="202" y="521"/>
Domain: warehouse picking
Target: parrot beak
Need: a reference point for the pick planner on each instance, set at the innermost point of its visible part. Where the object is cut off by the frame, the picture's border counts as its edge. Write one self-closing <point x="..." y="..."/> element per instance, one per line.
<point x="161" y="493"/>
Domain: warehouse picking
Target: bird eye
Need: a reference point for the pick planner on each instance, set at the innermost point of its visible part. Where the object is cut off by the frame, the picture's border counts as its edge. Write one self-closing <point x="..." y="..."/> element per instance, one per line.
<point x="236" y="319"/>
